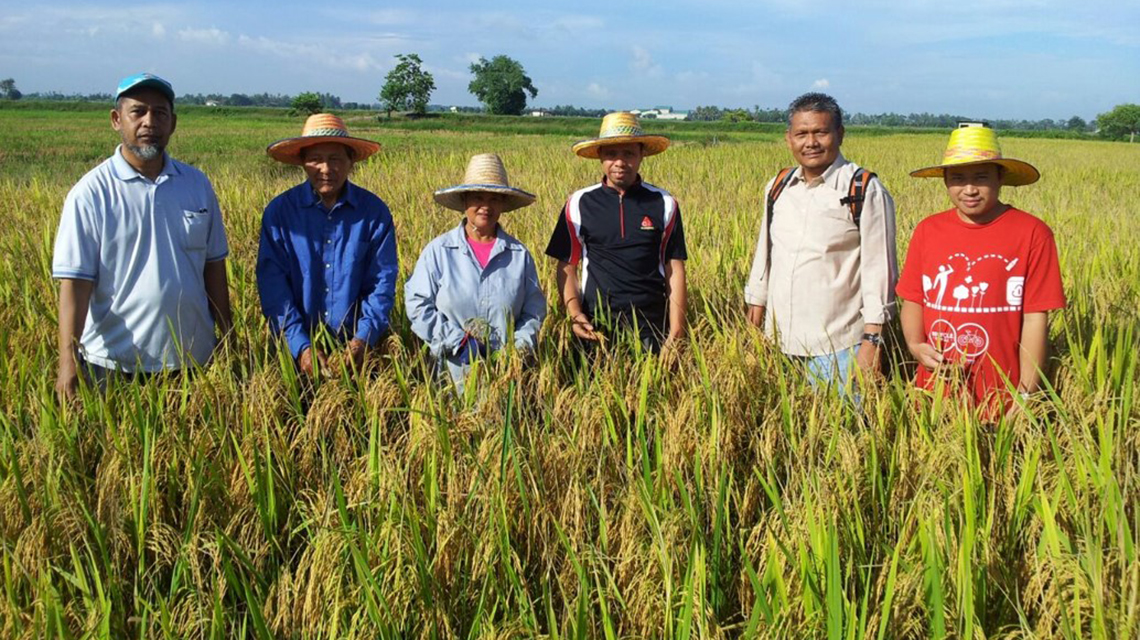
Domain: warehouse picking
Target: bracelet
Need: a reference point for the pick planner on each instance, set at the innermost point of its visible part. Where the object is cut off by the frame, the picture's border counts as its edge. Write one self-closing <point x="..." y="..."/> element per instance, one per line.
<point x="876" y="339"/>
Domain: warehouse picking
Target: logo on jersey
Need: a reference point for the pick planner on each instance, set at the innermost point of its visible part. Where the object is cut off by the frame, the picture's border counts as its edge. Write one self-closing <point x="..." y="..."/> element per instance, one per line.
<point x="646" y="224"/>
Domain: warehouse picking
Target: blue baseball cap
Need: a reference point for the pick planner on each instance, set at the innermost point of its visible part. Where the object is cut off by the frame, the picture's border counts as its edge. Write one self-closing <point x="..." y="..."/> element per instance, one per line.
<point x="145" y="81"/>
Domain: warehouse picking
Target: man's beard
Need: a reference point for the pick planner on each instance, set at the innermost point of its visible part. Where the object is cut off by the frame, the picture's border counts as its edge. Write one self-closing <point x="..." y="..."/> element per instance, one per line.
<point x="146" y="152"/>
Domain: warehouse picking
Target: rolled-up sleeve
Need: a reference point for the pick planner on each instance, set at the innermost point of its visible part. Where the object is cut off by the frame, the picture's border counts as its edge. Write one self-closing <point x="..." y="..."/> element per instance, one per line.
<point x="380" y="285"/>
<point x="273" y="287"/>
<point x="756" y="290"/>
<point x="879" y="269"/>
<point x="533" y="310"/>
<point x="442" y="335"/>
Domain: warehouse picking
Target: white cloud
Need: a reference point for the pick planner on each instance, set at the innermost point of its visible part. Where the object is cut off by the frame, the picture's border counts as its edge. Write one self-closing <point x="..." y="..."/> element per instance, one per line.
<point x="822" y="83"/>
<point x="642" y="63"/>
<point x="213" y="35"/>
<point x="597" y="91"/>
<point x="158" y="30"/>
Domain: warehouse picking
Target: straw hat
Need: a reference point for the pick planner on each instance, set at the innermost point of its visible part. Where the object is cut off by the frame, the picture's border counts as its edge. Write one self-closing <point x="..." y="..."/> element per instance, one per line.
<point x="977" y="144"/>
<point x="621" y="127"/>
<point x="320" y="128"/>
<point x="485" y="172"/>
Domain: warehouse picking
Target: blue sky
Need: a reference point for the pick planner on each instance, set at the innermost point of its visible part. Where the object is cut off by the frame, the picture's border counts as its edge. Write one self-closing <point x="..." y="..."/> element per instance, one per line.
<point x="984" y="59"/>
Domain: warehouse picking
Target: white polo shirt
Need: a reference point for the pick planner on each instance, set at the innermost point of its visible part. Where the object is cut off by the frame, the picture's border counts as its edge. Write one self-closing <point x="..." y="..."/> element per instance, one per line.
<point x="144" y="244"/>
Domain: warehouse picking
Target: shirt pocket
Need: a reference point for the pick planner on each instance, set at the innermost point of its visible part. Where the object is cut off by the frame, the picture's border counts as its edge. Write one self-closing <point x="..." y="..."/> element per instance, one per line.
<point x="837" y="230"/>
<point x="196" y="229"/>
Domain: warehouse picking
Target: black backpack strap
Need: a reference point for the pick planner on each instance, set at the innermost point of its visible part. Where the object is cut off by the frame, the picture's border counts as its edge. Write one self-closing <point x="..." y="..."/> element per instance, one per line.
<point x="857" y="193"/>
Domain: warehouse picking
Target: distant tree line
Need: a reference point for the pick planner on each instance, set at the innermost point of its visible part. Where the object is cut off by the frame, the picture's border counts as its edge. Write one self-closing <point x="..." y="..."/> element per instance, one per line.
<point x="927" y="120"/>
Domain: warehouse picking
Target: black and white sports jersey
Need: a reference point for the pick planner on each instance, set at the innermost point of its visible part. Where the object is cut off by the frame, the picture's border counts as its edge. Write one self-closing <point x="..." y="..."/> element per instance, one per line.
<point x="623" y="243"/>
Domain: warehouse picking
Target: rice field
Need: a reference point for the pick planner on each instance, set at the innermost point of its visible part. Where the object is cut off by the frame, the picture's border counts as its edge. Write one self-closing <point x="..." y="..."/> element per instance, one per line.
<point x="712" y="495"/>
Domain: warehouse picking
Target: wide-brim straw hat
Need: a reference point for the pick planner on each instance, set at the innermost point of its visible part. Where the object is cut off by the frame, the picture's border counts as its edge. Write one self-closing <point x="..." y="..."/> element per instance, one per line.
<point x="320" y="128"/>
<point x="973" y="144"/>
<point x="485" y="173"/>
<point x="621" y="127"/>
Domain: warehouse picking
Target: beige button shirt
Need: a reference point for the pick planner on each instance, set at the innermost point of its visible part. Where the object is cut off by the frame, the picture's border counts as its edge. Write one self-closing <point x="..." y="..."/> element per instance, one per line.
<point x="827" y="277"/>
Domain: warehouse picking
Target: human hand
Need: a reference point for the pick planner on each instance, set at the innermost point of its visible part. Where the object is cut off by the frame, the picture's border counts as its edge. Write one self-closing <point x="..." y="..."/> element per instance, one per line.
<point x="67" y="382"/>
<point x="470" y="349"/>
<point x="305" y="362"/>
<point x="582" y="328"/>
<point x="869" y="358"/>
<point x="755" y="315"/>
<point x="355" y="352"/>
<point x="927" y="355"/>
<point x="671" y="349"/>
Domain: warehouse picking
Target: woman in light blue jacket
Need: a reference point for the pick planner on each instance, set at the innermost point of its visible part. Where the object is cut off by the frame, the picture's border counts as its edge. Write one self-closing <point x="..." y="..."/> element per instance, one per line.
<point x="475" y="286"/>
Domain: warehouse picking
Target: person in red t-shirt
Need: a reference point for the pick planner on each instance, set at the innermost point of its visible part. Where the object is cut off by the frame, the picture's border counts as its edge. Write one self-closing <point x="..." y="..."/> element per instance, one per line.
<point x="980" y="278"/>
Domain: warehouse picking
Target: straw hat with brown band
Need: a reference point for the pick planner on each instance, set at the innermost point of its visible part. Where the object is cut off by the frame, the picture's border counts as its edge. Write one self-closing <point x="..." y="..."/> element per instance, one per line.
<point x="621" y="127"/>
<point x="320" y="128"/>
<point x="486" y="173"/>
<point x="972" y="144"/>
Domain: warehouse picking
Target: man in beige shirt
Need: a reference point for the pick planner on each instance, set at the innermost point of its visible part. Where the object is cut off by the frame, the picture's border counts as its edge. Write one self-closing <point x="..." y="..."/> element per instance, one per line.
<point x="822" y="283"/>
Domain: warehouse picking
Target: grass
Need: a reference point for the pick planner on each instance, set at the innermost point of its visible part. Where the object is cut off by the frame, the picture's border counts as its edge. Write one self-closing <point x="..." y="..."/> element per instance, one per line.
<point x="712" y="497"/>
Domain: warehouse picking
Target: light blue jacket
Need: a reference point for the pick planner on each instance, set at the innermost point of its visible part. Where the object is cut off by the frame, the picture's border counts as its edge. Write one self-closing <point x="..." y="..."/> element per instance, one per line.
<point x="448" y="287"/>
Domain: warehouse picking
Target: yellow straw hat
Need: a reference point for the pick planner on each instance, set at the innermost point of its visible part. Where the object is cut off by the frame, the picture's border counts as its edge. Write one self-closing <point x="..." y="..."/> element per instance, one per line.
<point x="621" y="127"/>
<point x="320" y="128"/>
<point x="977" y="144"/>
<point x="486" y="173"/>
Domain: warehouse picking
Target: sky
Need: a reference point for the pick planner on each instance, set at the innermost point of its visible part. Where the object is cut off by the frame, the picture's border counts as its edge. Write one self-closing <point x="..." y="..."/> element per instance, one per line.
<point x="996" y="59"/>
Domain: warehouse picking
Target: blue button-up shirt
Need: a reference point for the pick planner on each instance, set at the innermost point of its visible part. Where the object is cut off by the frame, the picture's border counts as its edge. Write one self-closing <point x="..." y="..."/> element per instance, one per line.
<point x="449" y="287"/>
<point x="333" y="267"/>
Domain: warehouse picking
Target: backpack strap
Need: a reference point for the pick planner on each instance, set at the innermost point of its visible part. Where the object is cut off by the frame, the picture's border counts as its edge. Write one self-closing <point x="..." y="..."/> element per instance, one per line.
<point x="857" y="193"/>
<point x="781" y="181"/>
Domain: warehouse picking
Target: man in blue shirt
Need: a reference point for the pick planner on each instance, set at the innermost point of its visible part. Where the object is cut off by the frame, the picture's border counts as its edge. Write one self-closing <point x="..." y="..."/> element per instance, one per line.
<point x="140" y="254"/>
<point x="327" y="256"/>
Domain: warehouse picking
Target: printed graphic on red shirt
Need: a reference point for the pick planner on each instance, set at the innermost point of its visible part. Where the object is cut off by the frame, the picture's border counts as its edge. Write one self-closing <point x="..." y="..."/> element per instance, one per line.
<point x="975" y="285"/>
<point x="960" y="287"/>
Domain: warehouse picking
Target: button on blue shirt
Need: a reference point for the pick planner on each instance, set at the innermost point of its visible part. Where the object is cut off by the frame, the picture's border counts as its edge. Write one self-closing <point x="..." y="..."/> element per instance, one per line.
<point x="448" y="287"/>
<point x="333" y="267"/>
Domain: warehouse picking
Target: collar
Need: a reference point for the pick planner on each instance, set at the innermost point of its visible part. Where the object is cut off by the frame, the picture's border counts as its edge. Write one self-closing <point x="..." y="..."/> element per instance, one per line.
<point x="637" y="185"/>
<point x="124" y="171"/>
<point x="348" y="196"/>
<point x="830" y="175"/>
<point x="457" y="237"/>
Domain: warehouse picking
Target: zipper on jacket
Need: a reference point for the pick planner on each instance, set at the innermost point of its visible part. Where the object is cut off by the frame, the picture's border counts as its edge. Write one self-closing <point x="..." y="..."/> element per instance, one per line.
<point x="621" y="213"/>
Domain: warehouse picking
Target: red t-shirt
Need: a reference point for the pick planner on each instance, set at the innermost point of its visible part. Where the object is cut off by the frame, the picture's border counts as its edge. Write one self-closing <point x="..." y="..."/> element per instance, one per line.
<point x="975" y="283"/>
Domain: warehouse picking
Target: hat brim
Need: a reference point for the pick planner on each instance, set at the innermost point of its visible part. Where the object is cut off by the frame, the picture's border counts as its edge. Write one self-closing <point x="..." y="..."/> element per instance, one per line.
<point x="452" y="197"/>
<point x="1017" y="173"/>
<point x="653" y="145"/>
<point x="289" y="150"/>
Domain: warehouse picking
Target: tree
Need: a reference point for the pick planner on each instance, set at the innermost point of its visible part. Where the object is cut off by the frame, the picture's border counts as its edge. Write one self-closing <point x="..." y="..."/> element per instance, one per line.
<point x="1124" y="119"/>
<point x="736" y="115"/>
<point x="307" y="103"/>
<point x="501" y="84"/>
<point x="1076" y="123"/>
<point x="8" y="90"/>
<point x="407" y="87"/>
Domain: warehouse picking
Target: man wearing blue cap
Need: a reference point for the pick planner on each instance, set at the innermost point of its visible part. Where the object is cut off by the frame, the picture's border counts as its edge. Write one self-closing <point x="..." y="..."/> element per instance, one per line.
<point x="140" y="253"/>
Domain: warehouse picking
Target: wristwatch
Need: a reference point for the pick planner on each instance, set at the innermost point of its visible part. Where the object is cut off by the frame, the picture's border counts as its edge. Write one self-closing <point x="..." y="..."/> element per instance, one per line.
<point x="876" y="339"/>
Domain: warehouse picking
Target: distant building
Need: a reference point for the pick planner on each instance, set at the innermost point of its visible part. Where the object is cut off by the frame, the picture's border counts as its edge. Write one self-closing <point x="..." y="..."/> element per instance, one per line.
<point x="661" y="113"/>
<point x="539" y="113"/>
<point x="212" y="103"/>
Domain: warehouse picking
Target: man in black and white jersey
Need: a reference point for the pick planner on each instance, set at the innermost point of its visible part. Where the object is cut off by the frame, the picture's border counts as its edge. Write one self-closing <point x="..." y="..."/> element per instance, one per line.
<point x="627" y="237"/>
